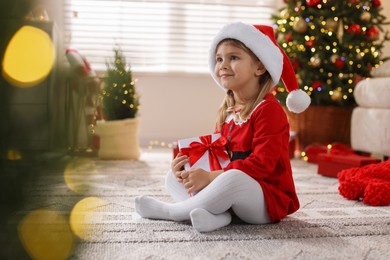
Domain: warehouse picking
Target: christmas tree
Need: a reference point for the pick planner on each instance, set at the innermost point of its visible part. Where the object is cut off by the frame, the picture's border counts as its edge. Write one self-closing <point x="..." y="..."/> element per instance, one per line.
<point x="332" y="44"/>
<point x="119" y="97"/>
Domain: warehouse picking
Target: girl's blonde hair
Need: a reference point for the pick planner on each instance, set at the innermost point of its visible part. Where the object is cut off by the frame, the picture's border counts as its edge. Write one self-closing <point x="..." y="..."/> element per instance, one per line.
<point x="227" y="106"/>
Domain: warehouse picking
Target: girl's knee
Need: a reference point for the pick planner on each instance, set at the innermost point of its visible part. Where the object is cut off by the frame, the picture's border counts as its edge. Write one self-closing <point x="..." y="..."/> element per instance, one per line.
<point x="169" y="178"/>
<point x="236" y="175"/>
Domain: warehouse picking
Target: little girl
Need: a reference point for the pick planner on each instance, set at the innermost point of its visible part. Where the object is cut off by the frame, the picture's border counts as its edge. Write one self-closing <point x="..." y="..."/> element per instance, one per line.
<point x="257" y="184"/>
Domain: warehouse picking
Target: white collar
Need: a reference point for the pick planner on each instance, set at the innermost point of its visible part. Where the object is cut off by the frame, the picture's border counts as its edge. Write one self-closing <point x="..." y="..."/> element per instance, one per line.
<point x="232" y="116"/>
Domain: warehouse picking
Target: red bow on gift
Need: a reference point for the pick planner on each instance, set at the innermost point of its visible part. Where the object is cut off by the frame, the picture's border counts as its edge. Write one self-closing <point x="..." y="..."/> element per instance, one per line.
<point x="216" y="149"/>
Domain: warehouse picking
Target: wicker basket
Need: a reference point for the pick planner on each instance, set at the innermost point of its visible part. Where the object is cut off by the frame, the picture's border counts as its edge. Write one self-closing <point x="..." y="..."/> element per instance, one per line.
<point x="119" y="139"/>
<point x="321" y="125"/>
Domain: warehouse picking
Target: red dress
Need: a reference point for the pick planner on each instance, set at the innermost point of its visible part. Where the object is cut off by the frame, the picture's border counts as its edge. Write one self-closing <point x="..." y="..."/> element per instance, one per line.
<point x="262" y="141"/>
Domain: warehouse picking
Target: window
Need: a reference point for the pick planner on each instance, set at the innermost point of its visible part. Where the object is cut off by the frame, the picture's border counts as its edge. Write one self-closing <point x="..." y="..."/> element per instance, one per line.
<point x="155" y="36"/>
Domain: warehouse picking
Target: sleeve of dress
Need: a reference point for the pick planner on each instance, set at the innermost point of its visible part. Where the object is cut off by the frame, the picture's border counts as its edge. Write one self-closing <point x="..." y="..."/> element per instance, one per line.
<point x="270" y="139"/>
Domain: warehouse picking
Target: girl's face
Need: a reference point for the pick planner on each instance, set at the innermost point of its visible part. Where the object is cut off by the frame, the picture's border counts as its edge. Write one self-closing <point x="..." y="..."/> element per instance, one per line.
<point x="237" y="70"/>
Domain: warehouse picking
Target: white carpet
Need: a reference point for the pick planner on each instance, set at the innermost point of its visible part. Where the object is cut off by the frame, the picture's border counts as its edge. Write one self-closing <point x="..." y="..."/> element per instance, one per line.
<point x="326" y="227"/>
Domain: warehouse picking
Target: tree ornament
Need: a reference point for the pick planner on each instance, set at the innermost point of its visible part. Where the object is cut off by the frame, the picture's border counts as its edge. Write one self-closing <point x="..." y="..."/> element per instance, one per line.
<point x="339" y="63"/>
<point x="340" y="31"/>
<point x="285" y="13"/>
<point x="376" y="3"/>
<point x="299" y="25"/>
<point x="316" y="84"/>
<point x="373" y="33"/>
<point x="357" y="79"/>
<point x="337" y="95"/>
<point x="315" y="61"/>
<point x="312" y="3"/>
<point x="331" y="24"/>
<point x="365" y="16"/>
<point x="310" y="43"/>
<point x="298" y="7"/>
<point x="334" y="57"/>
<point x="354" y="28"/>
<point x="289" y="37"/>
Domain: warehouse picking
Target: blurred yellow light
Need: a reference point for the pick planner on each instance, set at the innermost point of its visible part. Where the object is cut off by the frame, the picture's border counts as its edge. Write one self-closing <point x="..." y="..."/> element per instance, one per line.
<point x="46" y="234"/>
<point x="14" y="154"/>
<point x="80" y="175"/>
<point x="85" y="215"/>
<point x="28" y="58"/>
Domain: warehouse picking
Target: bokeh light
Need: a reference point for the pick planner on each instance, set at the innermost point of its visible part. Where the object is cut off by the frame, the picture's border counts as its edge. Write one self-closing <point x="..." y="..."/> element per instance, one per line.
<point x="28" y="58"/>
<point x="46" y="234"/>
<point x="84" y="217"/>
<point x="80" y="174"/>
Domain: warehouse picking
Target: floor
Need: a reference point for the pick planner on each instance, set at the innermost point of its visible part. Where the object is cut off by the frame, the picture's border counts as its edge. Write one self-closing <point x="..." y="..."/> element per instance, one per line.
<point x="60" y="207"/>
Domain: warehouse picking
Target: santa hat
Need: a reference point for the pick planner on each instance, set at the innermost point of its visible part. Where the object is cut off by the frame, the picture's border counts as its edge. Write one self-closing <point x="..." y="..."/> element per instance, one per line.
<point x="260" y="39"/>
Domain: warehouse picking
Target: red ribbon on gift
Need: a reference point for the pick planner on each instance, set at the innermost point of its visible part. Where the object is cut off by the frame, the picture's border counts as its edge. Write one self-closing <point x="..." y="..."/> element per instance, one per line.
<point x="216" y="150"/>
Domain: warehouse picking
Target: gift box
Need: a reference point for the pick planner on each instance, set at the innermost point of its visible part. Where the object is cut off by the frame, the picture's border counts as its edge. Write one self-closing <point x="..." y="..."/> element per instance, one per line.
<point x="331" y="164"/>
<point x="312" y="151"/>
<point x="175" y="149"/>
<point x="207" y="152"/>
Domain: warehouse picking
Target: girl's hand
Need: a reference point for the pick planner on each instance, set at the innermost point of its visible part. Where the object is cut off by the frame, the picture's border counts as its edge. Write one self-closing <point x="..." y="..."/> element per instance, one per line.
<point x="177" y="166"/>
<point x="195" y="179"/>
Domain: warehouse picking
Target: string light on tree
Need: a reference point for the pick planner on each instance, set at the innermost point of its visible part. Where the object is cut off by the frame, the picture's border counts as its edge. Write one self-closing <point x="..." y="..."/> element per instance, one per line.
<point x="118" y="95"/>
<point x="332" y="44"/>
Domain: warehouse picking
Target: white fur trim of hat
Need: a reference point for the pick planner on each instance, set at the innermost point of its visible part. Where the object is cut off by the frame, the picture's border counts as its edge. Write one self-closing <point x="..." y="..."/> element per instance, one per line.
<point x="260" y="39"/>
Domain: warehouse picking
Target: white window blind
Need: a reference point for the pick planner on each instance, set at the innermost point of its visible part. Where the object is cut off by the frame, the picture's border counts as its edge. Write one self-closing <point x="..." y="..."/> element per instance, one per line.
<point x="155" y="36"/>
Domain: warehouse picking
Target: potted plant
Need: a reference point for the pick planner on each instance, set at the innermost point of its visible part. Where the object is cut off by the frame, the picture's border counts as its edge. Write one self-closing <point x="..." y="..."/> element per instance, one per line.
<point x="332" y="46"/>
<point x="118" y="131"/>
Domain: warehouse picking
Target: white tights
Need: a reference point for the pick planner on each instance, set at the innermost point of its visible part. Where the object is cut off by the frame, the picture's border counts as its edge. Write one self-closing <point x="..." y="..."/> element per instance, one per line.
<point x="208" y="209"/>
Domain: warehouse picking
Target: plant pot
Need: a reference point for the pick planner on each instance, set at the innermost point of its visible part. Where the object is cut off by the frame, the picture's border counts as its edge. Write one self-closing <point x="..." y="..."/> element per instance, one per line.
<point x="321" y="125"/>
<point x="118" y="139"/>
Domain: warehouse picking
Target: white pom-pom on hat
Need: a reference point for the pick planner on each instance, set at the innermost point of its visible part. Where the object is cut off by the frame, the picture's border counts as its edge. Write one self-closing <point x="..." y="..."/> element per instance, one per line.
<point x="260" y="39"/>
<point x="297" y="101"/>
